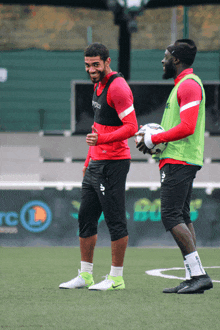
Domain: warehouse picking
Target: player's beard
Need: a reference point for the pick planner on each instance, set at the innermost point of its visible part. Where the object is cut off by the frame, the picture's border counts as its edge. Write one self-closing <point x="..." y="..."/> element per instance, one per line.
<point x="170" y="70"/>
<point x="101" y="75"/>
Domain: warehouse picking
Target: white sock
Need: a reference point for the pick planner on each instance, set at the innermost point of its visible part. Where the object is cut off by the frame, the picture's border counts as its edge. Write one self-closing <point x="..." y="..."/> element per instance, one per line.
<point x="116" y="271"/>
<point x="187" y="270"/>
<point x="86" y="267"/>
<point x="195" y="264"/>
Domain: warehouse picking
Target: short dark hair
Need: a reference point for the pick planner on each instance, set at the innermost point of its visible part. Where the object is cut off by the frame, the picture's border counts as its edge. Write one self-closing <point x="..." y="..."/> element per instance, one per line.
<point x="184" y="49"/>
<point x="97" y="49"/>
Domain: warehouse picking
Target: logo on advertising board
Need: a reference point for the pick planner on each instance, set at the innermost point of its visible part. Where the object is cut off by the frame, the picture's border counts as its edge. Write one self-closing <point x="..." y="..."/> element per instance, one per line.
<point x="145" y="209"/>
<point x="35" y="216"/>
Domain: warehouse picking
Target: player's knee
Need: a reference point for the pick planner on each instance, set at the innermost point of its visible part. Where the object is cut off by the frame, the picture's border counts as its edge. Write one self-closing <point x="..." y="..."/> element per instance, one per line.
<point x="87" y="229"/>
<point x="118" y="231"/>
<point x="169" y="222"/>
<point x="87" y="233"/>
<point x="117" y="236"/>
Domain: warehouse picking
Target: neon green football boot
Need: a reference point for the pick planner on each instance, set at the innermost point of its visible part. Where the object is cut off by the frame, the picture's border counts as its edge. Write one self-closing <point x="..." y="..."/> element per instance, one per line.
<point x="109" y="283"/>
<point x="83" y="280"/>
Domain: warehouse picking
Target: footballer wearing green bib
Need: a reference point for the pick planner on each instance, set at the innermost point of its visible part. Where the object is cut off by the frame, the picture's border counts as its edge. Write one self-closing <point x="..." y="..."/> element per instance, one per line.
<point x="184" y="124"/>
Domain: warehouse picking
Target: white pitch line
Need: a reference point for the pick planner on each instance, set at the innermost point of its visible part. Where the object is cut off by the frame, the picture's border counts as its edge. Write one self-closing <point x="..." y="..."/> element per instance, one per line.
<point x="158" y="272"/>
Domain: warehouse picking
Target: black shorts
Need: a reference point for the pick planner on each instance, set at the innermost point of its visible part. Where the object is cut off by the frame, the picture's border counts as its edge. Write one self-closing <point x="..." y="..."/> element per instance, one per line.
<point x="103" y="189"/>
<point x="175" y="194"/>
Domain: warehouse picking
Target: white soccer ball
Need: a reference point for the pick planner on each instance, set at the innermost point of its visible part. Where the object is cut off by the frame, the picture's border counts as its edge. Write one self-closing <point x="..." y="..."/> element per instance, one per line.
<point x="154" y="129"/>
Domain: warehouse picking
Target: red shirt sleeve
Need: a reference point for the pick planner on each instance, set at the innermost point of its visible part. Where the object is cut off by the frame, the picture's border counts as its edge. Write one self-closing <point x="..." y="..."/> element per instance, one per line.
<point x="127" y="130"/>
<point x="88" y="158"/>
<point x="189" y="96"/>
<point x="120" y="97"/>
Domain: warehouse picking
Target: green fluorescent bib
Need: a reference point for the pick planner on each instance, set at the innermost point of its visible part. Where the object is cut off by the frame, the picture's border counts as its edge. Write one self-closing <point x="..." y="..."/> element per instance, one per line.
<point x="191" y="148"/>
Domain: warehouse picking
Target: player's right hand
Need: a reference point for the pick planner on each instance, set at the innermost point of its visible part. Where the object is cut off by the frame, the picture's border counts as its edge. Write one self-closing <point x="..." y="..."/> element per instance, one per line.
<point x="92" y="138"/>
<point x="84" y="170"/>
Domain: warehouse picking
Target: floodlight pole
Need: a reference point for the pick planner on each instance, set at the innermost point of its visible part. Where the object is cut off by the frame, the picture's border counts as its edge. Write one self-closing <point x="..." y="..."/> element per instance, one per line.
<point x="124" y="16"/>
<point x="124" y="50"/>
<point x="185" y="23"/>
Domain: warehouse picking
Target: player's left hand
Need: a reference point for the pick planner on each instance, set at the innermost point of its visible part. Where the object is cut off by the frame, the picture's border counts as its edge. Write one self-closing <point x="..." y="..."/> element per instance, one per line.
<point x="145" y="144"/>
<point x="92" y="138"/>
<point x="147" y="139"/>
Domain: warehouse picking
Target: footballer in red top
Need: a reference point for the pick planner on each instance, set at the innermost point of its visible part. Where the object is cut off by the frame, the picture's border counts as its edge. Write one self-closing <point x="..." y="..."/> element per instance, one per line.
<point x="108" y="140"/>
<point x="105" y="170"/>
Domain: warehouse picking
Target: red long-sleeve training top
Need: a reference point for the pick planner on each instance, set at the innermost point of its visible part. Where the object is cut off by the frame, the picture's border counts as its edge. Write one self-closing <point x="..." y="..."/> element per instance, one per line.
<point x="112" y="140"/>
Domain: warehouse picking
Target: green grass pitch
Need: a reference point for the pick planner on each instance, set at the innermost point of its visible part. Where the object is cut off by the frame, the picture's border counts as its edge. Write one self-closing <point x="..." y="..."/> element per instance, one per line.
<point x="30" y="298"/>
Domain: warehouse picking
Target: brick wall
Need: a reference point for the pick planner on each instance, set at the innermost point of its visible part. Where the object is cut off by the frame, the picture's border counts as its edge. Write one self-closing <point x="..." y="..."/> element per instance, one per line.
<point x="60" y="28"/>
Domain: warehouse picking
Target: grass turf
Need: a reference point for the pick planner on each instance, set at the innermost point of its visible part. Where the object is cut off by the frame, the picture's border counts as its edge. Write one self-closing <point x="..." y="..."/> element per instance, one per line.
<point x="30" y="298"/>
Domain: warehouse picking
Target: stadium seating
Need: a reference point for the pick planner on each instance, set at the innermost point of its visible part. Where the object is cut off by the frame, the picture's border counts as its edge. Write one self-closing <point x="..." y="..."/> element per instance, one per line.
<point x="34" y="157"/>
<point x="19" y="163"/>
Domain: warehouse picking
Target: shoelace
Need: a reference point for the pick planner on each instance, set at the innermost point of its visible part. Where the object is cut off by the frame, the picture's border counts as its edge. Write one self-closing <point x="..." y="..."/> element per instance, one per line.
<point x="106" y="278"/>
